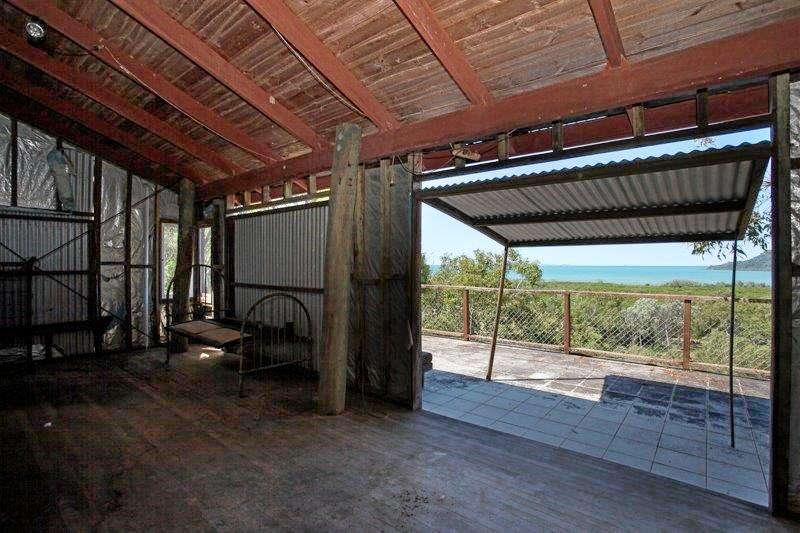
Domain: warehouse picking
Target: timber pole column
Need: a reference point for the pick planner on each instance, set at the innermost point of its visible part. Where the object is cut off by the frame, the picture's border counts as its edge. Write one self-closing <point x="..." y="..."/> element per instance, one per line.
<point x="338" y="269"/>
<point x="497" y="313"/>
<point x="183" y="263"/>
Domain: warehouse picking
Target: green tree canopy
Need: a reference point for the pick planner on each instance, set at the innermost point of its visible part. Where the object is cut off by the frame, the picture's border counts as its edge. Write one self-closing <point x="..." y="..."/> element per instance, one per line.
<point x="483" y="270"/>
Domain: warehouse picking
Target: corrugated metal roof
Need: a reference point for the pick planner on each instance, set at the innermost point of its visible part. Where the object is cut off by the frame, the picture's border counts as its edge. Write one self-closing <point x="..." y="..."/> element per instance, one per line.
<point x="704" y="194"/>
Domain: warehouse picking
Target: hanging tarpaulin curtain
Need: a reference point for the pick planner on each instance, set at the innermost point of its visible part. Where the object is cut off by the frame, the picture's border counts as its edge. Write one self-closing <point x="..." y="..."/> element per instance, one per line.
<point x="5" y="160"/>
<point x="35" y="183"/>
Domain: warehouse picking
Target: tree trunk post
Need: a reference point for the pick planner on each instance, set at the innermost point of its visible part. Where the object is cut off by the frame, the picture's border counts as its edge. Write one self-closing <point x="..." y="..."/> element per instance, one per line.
<point x="183" y="264"/>
<point x="338" y="269"/>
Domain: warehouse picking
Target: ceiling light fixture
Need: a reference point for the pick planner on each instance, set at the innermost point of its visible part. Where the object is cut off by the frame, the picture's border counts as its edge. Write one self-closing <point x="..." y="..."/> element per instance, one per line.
<point x="35" y="30"/>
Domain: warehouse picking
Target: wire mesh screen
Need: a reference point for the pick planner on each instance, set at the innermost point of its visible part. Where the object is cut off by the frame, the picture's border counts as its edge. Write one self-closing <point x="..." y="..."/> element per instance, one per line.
<point x="524" y="317"/>
<point x="752" y="339"/>
<point x="441" y="309"/>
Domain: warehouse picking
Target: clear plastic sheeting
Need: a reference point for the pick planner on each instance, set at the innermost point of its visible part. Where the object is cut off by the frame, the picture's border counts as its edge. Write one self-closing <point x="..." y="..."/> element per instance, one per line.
<point x="81" y="174"/>
<point x="794" y="119"/>
<point x="35" y="182"/>
<point x="141" y="305"/>
<point x="112" y="213"/>
<point x="142" y="227"/>
<point x="794" y="217"/>
<point x="5" y="160"/>
<point x="168" y="205"/>
<point x="112" y="301"/>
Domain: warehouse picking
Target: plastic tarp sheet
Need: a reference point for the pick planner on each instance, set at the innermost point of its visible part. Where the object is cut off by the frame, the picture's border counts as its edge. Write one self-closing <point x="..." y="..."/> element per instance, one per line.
<point x="168" y="205"/>
<point x="112" y="213"/>
<point x="112" y="300"/>
<point x="142" y="226"/>
<point x="81" y="174"/>
<point x="35" y="183"/>
<point x="5" y="160"/>
<point x="141" y="305"/>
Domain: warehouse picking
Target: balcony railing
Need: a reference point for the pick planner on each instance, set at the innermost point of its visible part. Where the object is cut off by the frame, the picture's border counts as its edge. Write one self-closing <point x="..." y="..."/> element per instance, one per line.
<point x="681" y="331"/>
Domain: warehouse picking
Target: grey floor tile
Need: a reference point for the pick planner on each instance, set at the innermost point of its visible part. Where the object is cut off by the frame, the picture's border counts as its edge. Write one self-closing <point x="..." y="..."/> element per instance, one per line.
<point x="461" y="404"/>
<point x="476" y="396"/>
<point x="564" y="417"/>
<point x="723" y="453"/>
<point x="576" y="405"/>
<point x="475" y="419"/>
<point x="644" y="422"/>
<point x="582" y="447"/>
<point x="682" y="430"/>
<point x="502" y="403"/>
<point x="516" y="393"/>
<point x="744" y="441"/>
<point x="633" y="448"/>
<point x="531" y="409"/>
<point x="684" y="461"/>
<point x="546" y="438"/>
<point x="436" y="397"/>
<point x="598" y="424"/>
<point x="678" y="474"/>
<point x="587" y="436"/>
<point x="521" y="420"/>
<point x="737" y="491"/>
<point x="628" y="460"/>
<point x="610" y="414"/>
<point x="487" y="411"/>
<point x="505" y="427"/>
<point x="553" y="428"/>
<point x="639" y="435"/>
<point x="738" y="475"/>
<point x="682" y="444"/>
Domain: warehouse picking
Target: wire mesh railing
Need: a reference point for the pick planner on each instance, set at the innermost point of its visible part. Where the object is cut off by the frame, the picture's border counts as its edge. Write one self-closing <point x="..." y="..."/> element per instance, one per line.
<point x="669" y="330"/>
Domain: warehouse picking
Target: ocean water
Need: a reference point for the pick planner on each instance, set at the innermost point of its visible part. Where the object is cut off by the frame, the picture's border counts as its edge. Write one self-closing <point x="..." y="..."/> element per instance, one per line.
<point x="641" y="275"/>
<point x="654" y="275"/>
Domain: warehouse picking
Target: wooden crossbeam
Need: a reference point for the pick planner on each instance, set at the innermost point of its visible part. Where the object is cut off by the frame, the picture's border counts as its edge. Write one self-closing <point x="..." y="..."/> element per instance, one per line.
<point x="300" y="36"/>
<point x="151" y="16"/>
<point x="95" y="123"/>
<point x="744" y="56"/>
<point x="606" y="23"/>
<point x="92" y="87"/>
<point x="420" y="14"/>
<point x="140" y="73"/>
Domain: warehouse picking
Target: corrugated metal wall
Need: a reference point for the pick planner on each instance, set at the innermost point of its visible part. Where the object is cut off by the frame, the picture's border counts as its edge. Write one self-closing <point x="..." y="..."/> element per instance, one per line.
<point x="282" y="251"/>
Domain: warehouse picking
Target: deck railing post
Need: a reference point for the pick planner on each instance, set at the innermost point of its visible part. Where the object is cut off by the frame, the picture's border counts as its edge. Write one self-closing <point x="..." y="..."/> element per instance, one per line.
<point x="567" y="322"/>
<point x="466" y="327"/>
<point x="687" y="333"/>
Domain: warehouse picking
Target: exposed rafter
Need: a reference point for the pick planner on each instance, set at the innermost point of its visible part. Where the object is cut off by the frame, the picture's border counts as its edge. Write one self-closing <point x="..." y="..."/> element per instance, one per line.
<point x="95" y="123"/>
<point x="300" y="36"/>
<point x="606" y="23"/>
<point x="743" y="56"/>
<point x="91" y="87"/>
<point x="420" y="14"/>
<point x="140" y="73"/>
<point x="151" y="16"/>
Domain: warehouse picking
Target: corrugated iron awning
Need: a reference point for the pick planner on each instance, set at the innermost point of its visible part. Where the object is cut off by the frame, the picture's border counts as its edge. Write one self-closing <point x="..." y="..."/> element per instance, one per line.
<point x="701" y="195"/>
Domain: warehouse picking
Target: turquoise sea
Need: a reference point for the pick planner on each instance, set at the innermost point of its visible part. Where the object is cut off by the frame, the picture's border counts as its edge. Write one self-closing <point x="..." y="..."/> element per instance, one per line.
<point x="654" y="275"/>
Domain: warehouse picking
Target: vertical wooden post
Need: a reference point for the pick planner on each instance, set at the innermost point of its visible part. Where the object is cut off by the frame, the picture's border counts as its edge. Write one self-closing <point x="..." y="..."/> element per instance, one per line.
<point x="183" y="263"/>
<point x="127" y="262"/>
<point x="94" y="255"/>
<point x="558" y="136"/>
<point x="338" y="269"/>
<point x="782" y="365"/>
<point x="312" y="184"/>
<point x="459" y="162"/>
<point x="217" y="259"/>
<point x="415" y="282"/>
<point x="465" y="323"/>
<point x="155" y="290"/>
<point x="567" y="322"/>
<point x="497" y="314"/>
<point x="287" y="189"/>
<point x="687" y="333"/>
<point x="14" y="160"/>
<point x="701" y="108"/>
<point x="502" y="147"/>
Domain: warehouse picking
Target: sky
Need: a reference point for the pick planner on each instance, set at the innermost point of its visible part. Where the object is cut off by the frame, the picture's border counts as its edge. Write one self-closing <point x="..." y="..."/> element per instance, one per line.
<point x="442" y="234"/>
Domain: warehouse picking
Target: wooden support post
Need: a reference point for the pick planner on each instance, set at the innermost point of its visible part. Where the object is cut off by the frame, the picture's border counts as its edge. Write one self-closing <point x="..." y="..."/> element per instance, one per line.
<point x="459" y="162"/>
<point x="128" y="328"/>
<point x="155" y="290"/>
<point x="701" y="108"/>
<point x="338" y="269"/>
<point x="14" y="160"/>
<point x="415" y="282"/>
<point x="287" y="189"/>
<point x="312" y="184"/>
<point x="687" y="333"/>
<point x="93" y="303"/>
<point x="782" y="364"/>
<point x="217" y="260"/>
<point x="636" y="119"/>
<point x="183" y="263"/>
<point x="497" y="313"/>
<point x="502" y="147"/>
<point x="465" y="323"/>
<point x="567" y="322"/>
<point x="558" y="136"/>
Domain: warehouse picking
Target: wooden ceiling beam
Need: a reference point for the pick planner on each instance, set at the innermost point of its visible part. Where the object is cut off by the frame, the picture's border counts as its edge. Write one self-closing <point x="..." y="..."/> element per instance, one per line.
<point x="606" y="23"/>
<point x="143" y="75"/>
<point x="95" y="123"/>
<point x="17" y="46"/>
<point x="43" y="118"/>
<point x="422" y="17"/>
<point x="156" y="20"/>
<point x="300" y="36"/>
<point x="748" y="55"/>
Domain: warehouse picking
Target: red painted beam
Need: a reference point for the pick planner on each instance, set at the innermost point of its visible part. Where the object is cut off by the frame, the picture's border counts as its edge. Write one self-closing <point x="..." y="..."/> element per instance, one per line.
<point x="300" y="36"/>
<point x="151" y="16"/>
<point x="748" y="55"/>
<point x="17" y="46"/>
<point x="609" y="32"/>
<point x="420" y="14"/>
<point x="95" y="123"/>
<point x="143" y="75"/>
<point x="43" y="118"/>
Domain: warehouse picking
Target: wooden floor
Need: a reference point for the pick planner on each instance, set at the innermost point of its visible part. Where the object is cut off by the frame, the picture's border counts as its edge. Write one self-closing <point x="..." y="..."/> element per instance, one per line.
<point x="126" y="444"/>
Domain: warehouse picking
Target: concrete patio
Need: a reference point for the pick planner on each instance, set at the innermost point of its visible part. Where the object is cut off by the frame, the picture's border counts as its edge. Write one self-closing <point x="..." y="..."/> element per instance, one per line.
<point x="669" y="422"/>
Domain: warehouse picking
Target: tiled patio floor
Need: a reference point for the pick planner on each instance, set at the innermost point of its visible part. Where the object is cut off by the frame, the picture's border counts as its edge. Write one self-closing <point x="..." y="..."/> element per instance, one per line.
<point x="669" y="422"/>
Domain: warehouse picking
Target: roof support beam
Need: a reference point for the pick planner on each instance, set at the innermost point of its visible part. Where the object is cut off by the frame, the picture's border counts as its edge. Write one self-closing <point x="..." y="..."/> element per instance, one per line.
<point x="615" y="214"/>
<point x="94" y="123"/>
<point x="91" y="87"/>
<point x="141" y="74"/>
<point x="748" y="55"/>
<point x="420" y="14"/>
<point x="151" y="16"/>
<point x="609" y="32"/>
<point x="300" y="36"/>
<point x="722" y="236"/>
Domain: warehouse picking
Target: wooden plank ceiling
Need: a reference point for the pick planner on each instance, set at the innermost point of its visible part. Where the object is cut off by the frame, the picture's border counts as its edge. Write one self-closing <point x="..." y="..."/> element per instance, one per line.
<point x="209" y="90"/>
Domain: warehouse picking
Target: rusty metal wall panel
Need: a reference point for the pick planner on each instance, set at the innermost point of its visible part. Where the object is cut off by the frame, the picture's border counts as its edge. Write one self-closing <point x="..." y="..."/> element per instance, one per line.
<point x="36" y="236"/>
